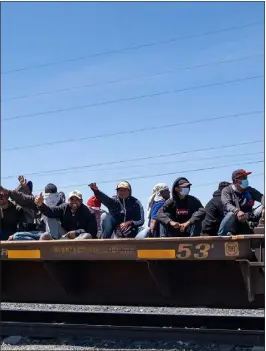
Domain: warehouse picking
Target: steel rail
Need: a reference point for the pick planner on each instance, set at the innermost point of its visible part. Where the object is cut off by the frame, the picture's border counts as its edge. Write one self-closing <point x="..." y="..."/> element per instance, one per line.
<point x="196" y="328"/>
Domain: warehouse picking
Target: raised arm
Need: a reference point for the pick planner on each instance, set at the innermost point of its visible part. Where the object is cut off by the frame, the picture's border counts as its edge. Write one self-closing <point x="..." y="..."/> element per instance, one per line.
<point x="105" y="199"/>
<point x="50" y="212"/>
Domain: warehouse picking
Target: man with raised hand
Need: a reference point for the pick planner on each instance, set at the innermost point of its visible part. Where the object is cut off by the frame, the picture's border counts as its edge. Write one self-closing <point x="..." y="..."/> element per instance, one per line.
<point x="126" y="214"/>
<point x="77" y="220"/>
<point x="238" y="200"/>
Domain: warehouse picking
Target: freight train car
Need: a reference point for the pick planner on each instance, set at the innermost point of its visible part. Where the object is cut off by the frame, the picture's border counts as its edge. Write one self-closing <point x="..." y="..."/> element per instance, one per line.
<point x="221" y="272"/>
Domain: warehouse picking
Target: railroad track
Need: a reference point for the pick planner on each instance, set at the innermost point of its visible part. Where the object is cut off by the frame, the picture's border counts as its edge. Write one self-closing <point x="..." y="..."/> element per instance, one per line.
<point x="218" y="329"/>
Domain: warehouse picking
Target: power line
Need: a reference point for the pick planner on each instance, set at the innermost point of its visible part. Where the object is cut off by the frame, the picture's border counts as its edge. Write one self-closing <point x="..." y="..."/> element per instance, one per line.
<point x="216" y="182"/>
<point x="163" y="174"/>
<point x="115" y="81"/>
<point x="132" y="98"/>
<point x="51" y="171"/>
<point x="133" y="131"/>
<point x="172" y="162"/>
<point x="159" y="164"/>
<point x="131" y="48"/>
<point x="205" y="184"/>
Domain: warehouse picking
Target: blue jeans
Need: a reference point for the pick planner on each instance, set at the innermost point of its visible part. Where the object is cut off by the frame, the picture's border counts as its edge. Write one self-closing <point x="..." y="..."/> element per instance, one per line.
<point x="108" y="225"/>
<point x="145" y="233"/>
<point x="21" y="236"/>
<point x="230" y="222"/>
<point x="53" y="227"/>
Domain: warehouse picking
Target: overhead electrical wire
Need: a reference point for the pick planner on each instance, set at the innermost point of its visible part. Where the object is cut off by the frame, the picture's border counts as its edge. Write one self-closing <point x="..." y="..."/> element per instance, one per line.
<point x="51" y="171"/>
<point x="115" y="81"/>
<point x="133" y="131"/>
<point x="161" y="174"/>
<point x="131" y="48"/>
<point x="132" y="98"/>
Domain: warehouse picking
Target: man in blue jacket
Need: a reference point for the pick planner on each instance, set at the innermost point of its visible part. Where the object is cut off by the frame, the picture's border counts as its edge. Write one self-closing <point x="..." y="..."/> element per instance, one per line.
<point x="126" y="214"/>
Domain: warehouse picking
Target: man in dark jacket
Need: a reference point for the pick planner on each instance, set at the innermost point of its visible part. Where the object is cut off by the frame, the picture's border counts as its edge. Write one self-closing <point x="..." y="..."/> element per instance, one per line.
<point x="39" y="224"/>
<point x="12" y="217"/>
<point x="126" y="214"/>
<point x="77" y="220"/>
<point x="238" y="200"/>
<point x="214" y="212"/>
<point x="182" y="214"/>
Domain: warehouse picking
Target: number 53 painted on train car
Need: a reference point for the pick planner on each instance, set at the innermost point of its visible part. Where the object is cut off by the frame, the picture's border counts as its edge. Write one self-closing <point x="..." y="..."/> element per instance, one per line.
<point x="198" y="251"/>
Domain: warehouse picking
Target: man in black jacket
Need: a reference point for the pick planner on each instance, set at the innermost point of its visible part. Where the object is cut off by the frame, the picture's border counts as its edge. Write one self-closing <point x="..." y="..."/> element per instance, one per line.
<point x="12" y="217"/>
<point x="182" y="215"/>
<point x="214" y="212"/>
<point x="77" y="220"/>
<point x="126" y="214"/>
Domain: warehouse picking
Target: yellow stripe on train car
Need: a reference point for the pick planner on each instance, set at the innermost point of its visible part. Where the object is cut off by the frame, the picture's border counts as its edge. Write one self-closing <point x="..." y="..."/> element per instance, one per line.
<point x="156" y="254"/>
<point x="24" y="254"/>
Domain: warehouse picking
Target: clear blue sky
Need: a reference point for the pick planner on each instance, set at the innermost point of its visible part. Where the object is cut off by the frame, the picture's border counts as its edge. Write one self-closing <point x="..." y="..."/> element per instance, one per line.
<point x="37" y="33"/>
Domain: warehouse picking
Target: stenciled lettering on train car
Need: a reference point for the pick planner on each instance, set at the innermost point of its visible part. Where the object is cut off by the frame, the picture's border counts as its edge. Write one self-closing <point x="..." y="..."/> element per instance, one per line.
<point x="196" y="251"/>
<point x="231" y="249"/>
<point x="92" y="250"/>
<point x="4" y="252"/>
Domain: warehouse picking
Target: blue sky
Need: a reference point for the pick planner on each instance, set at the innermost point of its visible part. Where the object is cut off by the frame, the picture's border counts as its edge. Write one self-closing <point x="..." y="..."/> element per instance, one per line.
<point x="37" y="33"/>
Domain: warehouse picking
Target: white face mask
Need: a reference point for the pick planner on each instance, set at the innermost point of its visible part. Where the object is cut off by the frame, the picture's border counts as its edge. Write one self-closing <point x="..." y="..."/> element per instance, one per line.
<point x="184" y="191"/>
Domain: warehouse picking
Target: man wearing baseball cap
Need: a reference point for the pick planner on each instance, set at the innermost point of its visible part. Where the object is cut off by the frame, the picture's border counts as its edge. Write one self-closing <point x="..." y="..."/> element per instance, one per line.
<point x="238" y="200"/>
<point x="126" y="214"/>
<point x="183" y="213"/>
<point x="77" y="220"/>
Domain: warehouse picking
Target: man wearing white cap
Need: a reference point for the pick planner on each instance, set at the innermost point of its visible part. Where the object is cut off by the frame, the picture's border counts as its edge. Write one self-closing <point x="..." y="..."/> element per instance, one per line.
<point x="77" y="220"/>
<point x="126" y="214"/>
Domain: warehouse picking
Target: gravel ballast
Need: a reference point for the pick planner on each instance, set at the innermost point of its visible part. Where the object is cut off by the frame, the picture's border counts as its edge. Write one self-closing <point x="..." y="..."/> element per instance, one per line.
<point x="132" y="309"/>
<point x="21" y="343"/>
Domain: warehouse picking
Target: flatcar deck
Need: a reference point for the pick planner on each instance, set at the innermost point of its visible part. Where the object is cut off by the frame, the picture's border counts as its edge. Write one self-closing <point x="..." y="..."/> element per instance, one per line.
<point x="195" y="248"/>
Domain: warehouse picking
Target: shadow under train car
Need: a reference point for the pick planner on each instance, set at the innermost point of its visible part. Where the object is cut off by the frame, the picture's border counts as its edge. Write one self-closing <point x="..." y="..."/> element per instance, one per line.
<point x="218" y="272"/>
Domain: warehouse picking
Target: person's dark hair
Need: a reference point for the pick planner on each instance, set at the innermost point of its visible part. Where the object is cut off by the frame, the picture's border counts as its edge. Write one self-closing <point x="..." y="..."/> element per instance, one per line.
<point x="50" y="189"/>
<point x="223" y="185"/>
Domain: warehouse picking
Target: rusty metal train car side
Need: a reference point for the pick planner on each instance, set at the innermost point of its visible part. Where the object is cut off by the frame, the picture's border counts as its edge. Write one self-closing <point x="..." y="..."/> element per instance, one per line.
<point x="221" y="272"/>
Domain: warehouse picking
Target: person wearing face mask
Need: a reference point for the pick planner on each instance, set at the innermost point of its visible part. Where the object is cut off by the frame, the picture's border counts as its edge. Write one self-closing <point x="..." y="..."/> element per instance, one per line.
<point x="126" y="214"/>
<point x="78" y="221"/>
<point x="183" y="213"/>
<point x="238" y="200"/>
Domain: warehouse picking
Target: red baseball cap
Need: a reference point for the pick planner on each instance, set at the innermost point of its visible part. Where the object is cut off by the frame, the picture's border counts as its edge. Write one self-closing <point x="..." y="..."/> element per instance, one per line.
<point x="240" y="173"/>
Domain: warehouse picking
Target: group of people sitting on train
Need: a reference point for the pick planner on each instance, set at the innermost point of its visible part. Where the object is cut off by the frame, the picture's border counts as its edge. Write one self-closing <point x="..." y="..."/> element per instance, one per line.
<point x="50" y="216"/>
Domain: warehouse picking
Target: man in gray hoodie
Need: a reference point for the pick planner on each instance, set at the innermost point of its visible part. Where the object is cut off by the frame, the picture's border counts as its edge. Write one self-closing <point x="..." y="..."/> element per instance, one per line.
<point x="238" y="200"/>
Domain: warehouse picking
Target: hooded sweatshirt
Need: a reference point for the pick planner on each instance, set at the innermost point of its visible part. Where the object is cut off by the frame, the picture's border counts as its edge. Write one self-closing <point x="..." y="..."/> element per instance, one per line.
<point x="129" y="209"/>
<point x="214" y="214"/>
<point x="181" y="210"/>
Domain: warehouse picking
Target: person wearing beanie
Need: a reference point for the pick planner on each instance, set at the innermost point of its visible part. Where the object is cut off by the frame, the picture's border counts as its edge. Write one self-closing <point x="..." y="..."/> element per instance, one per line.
<point x="126" y="214"/>
<point x="95" y="205"/>
<point x="238" y="200"/>
<point x="181" y="215"/>
<point x="214" y="212"/>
